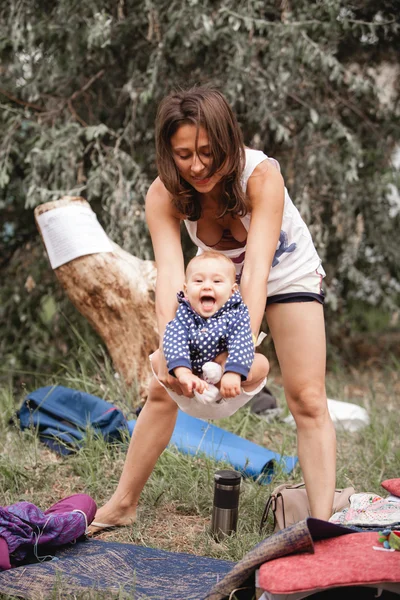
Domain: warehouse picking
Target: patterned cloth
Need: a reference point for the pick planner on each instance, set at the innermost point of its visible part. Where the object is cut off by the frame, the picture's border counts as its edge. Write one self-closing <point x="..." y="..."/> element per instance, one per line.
<point x="190" y="340"/>
<point x="369" y="510"/>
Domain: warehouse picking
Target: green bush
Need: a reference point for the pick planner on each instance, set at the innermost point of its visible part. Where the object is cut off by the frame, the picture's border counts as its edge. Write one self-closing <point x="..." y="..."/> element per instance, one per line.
<point x="81" y="83"/>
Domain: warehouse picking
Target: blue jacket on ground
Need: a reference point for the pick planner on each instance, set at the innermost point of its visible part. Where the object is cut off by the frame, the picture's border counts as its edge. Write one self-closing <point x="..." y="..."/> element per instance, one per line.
<point x="190" y="340"/>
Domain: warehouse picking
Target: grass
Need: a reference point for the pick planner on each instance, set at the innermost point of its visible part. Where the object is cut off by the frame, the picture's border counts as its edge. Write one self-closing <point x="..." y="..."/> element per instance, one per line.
<point x="176" y="504"/>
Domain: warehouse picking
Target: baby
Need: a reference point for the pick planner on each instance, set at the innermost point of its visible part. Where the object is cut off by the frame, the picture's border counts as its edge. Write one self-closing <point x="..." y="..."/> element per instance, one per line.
<point x="210" y="341"/>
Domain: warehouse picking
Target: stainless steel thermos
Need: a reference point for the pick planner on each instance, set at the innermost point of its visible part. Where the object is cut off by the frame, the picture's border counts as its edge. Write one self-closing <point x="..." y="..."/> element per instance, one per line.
<point x="226" y="502"/>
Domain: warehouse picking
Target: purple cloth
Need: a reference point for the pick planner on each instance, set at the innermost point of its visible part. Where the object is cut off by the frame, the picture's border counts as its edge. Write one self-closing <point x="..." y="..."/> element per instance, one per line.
<point x="4" y="555"/>
<point x="24" y="526"/>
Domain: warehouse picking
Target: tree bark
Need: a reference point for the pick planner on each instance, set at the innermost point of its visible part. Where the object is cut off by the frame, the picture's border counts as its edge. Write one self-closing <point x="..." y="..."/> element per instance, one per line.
<point x="115" y="292"/>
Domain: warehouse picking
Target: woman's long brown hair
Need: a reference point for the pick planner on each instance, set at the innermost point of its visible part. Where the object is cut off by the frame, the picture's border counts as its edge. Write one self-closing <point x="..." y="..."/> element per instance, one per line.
<point x="205" y="107"/>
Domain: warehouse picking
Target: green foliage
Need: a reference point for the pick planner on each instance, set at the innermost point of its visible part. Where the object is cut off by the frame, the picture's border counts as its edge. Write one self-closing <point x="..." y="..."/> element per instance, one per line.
<point x="81" y="83"/>
<point x="37" y="336"/>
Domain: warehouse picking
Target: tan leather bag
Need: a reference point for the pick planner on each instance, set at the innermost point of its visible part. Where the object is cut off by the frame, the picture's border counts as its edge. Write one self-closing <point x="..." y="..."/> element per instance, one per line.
<point x="289" y="504"/>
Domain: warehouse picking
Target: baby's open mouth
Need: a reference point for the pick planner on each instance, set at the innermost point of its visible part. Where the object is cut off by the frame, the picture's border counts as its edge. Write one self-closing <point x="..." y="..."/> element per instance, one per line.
<point x="207" y="302"/>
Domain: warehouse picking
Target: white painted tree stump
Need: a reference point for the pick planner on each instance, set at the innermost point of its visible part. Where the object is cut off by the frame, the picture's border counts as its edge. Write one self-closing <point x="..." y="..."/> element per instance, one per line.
<point x="115" y="292"/>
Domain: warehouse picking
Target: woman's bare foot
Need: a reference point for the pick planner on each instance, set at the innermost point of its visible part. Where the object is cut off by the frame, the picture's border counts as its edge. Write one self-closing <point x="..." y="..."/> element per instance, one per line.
<point x="109" y="516"/>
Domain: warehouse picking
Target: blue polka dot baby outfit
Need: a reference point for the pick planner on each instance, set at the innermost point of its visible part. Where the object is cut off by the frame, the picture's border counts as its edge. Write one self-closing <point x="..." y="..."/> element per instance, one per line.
<point x="190" y="340"/>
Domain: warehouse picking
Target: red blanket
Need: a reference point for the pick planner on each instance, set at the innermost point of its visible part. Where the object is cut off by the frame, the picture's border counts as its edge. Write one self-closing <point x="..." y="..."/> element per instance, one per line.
<point x="340" y="561"/>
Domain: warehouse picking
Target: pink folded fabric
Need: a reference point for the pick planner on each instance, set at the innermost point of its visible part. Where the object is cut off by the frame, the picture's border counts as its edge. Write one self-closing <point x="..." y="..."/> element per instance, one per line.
<point x="392" y="486"/>
<point x="341" y="561"/>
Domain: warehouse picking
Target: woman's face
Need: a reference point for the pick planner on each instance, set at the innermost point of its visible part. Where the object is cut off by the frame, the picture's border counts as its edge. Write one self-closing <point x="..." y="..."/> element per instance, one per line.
<point x="193" y="163"/>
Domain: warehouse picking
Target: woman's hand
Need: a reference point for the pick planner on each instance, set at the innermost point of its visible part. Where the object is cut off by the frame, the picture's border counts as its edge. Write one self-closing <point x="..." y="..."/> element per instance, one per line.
<point x="159" y="365"/>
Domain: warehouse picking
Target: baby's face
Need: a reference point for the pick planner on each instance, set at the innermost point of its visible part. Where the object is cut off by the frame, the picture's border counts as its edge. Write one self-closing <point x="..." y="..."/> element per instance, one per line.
<point x="209" y="284"/>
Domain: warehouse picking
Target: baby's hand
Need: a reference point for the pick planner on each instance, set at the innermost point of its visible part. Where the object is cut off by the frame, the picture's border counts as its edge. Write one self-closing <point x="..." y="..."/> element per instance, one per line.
<point x="189" y="382"/>
<point x="230" y="385"/>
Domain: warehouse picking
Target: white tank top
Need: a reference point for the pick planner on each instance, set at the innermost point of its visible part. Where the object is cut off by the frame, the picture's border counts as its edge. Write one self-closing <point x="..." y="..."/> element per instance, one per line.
<point x="295" y="254"/>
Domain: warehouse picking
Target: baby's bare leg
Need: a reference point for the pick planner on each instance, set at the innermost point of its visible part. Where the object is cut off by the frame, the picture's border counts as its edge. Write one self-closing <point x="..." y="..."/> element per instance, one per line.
<point x="259" y="370"/>
<point x="221" y="359"/>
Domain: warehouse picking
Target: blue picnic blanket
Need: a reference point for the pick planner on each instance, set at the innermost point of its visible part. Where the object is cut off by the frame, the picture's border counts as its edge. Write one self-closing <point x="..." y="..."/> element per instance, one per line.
<point x="94" y="568"/>
<point x="62" y="415"/>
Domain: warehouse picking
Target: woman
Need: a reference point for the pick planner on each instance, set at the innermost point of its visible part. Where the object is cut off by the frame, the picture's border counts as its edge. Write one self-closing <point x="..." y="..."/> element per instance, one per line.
<point x="232" y="199"/>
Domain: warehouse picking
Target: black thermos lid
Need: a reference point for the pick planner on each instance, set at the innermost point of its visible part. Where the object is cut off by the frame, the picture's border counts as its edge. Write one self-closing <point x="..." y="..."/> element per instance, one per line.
<point x="227" y="477"/>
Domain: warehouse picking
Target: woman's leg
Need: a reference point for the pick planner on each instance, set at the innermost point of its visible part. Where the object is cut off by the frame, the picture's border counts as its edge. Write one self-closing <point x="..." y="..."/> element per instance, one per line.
<point x="298" y="332"/>
<point x="151" y="435"/>
<point x="258" y="372"/>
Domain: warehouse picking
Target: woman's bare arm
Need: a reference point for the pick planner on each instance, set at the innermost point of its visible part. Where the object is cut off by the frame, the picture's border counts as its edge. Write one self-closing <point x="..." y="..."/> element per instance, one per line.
<point x="164" y="226"/>
<point x="266" y="192"/>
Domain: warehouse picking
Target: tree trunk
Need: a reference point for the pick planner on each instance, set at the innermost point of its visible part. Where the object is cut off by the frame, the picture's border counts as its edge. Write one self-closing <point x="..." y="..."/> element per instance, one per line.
<point x="115" y="292"/>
